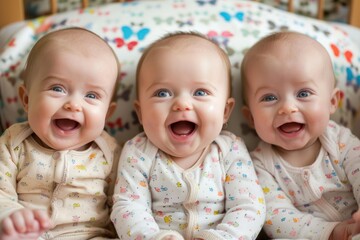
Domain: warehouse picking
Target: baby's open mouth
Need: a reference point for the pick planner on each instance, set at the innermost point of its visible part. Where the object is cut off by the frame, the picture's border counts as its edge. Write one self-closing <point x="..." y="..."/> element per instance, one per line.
<point x="183" y="128"/>
<point x="66" y="124"/>
<point x="291" y="127"/>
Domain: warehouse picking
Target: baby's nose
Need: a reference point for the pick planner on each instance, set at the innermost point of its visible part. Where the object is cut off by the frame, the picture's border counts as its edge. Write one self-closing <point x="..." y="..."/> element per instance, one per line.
<point x="72" y="106"/>
<point x="182" y="104"/>
<point x="288" y="108"/>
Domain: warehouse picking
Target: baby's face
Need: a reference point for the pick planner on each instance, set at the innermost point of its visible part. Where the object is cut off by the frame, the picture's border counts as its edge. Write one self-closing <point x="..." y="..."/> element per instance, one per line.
<point x="290" y="93"/>
<point x="68" y="95"/>
<point x="183" y="96"/>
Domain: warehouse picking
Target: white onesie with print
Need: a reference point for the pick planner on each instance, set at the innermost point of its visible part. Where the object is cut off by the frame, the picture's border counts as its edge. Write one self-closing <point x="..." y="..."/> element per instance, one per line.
<point x="217" y="198"/>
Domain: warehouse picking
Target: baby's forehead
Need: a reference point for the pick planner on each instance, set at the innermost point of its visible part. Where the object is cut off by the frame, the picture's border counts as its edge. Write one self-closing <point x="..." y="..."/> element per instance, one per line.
<point x="77" y="41"/>
<point x="186" y="46"/>
<point x="289" y="42"/>
<point x="187" y="55"/>
<point x="183" y="42"/>
<point x="293" y="48"/>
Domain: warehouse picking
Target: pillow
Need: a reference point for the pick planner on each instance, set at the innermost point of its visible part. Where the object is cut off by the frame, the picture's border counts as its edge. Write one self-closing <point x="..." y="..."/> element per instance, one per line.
<point x="131" y="27"/>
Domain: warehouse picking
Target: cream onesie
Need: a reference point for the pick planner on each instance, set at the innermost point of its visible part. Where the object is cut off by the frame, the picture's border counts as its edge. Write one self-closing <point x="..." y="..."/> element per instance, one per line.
<point x="75" y="187"/>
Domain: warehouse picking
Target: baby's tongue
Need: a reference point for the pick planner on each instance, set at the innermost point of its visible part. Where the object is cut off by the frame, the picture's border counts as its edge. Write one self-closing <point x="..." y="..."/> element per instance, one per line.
<point x="66" y="124"/>
<point x="182" y="128"/>
<point x="291" y="127"/>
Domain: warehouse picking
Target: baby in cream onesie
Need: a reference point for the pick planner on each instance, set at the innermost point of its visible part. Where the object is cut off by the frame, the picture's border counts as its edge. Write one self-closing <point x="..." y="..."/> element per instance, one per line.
<point x="57" y="170"/>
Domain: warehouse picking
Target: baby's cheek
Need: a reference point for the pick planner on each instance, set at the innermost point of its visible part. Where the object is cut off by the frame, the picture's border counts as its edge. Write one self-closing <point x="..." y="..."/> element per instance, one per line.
<point x="209" y="108"/>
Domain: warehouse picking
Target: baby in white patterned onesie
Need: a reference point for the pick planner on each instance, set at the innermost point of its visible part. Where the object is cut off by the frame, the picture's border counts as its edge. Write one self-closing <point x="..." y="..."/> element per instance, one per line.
<point x="308" y="165"/>
<point x="57" y="170"/>
<point x="185" y="178"/>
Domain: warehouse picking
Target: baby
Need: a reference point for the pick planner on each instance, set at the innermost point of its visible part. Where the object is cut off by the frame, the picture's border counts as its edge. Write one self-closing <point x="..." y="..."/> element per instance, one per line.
<point x="308" y="165"/>
<point x="185" y="178"/>
<point x="57" y="169"/>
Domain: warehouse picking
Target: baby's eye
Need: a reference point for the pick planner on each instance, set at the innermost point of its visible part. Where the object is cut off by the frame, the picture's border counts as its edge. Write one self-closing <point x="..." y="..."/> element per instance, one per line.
<point x="200" y="93"/>
<point x="57" y="89"/>
<point x="162" y="93"/>
<point x="91" y="95"/>
<point x="268" y="98"/>
<point x="304" y="94"/>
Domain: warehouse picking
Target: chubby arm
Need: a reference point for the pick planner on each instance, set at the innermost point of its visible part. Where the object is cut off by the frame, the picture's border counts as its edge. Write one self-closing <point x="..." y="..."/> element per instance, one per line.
<point x="244" y="200"/>
<point x="349" y="147"/>
<point x="16" y="222"/>
<point x="283" y="219"/>
<point x="8" y="173"/>
<point x="132" y="213"/>
<point x="350" y="152"/>
<point x="113" y="174"/>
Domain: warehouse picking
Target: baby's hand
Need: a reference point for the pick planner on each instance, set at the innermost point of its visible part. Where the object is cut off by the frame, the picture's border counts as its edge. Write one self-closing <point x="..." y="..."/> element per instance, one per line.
<point x="170" y="237"/>
<point x="345" y="230"/>
<point x="356" y="216"/>
<point x="24" y="224"/>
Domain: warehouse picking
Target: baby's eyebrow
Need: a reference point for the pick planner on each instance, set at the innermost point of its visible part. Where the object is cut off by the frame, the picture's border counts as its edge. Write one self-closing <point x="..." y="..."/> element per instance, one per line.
<point x="266" y="89"/>
<point x="157" y="84"/>
<point x="97" y="88"/>
<point x="53" y="79"/>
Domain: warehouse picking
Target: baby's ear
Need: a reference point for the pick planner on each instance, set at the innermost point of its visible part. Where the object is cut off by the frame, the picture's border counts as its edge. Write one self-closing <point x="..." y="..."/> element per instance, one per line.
<point x="138" y="110"/>
<point x="24" y="98"/>
<point x="111" y="109"/>
<point x="335" y="99"/>
<point x="248" y="116"/>
<point x="230" y="103"/>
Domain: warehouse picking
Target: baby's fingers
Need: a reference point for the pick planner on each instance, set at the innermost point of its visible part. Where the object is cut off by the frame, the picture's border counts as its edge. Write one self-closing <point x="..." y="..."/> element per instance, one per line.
<point x="8" y="227"/>
<point x="170" y="237"/>
<point x="25" y="222"/>
<point x="43" y="219"/>
<point x="356" y="216"/>
<point x="22" y="220"/>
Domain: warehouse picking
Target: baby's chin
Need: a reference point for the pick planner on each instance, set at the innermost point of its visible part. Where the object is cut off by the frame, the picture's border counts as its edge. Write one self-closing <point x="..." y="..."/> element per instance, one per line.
<point x="78" y="147"/>
<point x="61" y="144"/>
<point x="285" y="148"/>
<point x="288" y="146"/>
